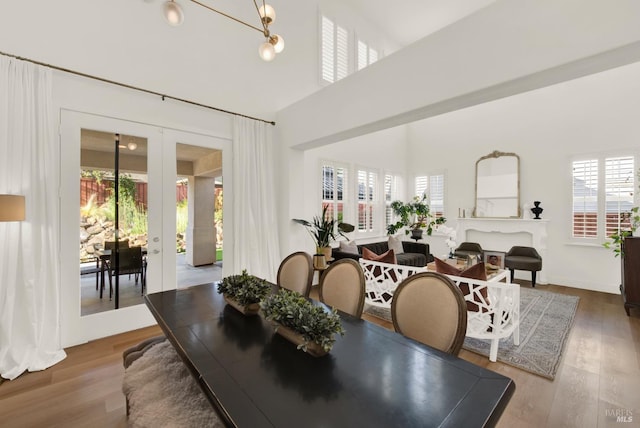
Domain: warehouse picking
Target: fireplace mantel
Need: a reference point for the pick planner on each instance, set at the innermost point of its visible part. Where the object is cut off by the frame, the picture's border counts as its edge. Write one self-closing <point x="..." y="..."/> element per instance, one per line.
<point x="536" y="228"/>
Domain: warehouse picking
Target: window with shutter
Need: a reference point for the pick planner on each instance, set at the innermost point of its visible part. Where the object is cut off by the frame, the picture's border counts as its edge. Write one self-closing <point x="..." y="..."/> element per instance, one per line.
<point x="334" y="46"/>
<point x="334" y="180"/>
<point x="392" y="184"/>
<point x="366" y="55"/>
<point x="585" y="198"/>
<point x="367" y="183"/>
<point x="619" y="188"/>
<point x="433" y="187"/>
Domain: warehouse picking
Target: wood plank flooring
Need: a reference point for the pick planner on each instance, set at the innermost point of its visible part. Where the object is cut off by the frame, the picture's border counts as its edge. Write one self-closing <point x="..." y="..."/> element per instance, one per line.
<point x="598" y="379"/>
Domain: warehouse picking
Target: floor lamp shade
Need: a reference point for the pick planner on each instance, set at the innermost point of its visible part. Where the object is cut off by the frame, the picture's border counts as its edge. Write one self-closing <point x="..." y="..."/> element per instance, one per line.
<point x="11" y="208"/>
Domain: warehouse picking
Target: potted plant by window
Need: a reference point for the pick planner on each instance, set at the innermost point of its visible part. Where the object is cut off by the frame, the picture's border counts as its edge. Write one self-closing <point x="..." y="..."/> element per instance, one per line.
<point x="323" y="230"/>
<point x="301" y="322"/>
<point x="617" y="238"/>
<point x="415" y="216"/>
<point x="244" y="292"/>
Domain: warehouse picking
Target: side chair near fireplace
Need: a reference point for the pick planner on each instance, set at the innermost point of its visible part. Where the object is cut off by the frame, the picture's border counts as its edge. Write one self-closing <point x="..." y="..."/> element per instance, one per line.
<point x="523" y="258"/>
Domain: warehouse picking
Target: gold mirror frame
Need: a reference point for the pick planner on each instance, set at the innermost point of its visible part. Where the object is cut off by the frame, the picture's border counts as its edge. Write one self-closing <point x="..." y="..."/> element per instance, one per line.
<point x="517" y="212"/>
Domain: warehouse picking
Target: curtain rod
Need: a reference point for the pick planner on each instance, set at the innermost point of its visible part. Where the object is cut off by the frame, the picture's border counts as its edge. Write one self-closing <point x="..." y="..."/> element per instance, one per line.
<point x="124" y="85"/>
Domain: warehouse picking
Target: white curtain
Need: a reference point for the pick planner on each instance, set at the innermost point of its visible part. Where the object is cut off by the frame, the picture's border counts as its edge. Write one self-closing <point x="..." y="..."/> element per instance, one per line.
<point x="255" y="231"/>
<point x="29" y="166"/>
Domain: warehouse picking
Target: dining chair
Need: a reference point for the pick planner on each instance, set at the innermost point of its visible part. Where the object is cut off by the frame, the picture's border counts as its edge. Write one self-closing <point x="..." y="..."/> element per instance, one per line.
<point x="430" y="308"/>
<point x="296" y="273"/>
<point x="130" y="262"/>
<point x="342" y="286"/>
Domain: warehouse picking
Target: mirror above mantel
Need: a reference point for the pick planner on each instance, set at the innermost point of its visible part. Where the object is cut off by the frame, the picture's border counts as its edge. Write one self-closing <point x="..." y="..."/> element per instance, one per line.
<point x="498" y="186"/>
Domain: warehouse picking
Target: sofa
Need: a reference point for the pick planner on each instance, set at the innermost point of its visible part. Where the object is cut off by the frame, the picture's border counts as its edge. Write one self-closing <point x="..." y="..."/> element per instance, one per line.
<point x="415" y="253"/>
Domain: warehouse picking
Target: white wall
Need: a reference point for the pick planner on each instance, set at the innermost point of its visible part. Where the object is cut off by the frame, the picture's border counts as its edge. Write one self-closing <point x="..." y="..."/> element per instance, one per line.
<point x="545" y="128"/>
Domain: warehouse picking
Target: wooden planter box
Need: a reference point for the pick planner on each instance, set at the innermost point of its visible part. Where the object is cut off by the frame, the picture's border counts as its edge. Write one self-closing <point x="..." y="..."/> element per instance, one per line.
<point x="297" y="339"/>
<point x="250" y="309"/>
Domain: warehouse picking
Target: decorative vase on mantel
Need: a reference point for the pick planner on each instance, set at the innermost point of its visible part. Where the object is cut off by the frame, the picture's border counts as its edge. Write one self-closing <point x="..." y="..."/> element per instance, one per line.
<point x="296" y="338"/>
<point x="536" y="210"/>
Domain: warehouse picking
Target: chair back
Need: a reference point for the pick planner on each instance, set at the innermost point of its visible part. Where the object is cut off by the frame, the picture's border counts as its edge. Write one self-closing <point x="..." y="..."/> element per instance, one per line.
<point x="342" y="287"/>
<point x="130" y="260"/>
<point x="430" y="308"/>
<point x="111" y="245"/>
<point x="468" y="248"/>
<point x="296" y="273"/>
<point x="524" y="252"/>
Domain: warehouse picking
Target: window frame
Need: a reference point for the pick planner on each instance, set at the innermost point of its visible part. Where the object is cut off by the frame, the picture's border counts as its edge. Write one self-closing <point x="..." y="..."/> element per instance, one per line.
<point x="429" y="177"/>
<point x="336" y="49"/>
<point x="601" y="159"/>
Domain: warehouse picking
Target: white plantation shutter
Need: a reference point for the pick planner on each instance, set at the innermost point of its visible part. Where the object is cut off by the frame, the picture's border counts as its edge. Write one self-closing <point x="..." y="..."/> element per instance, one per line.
<point x="367" y="183"/>
<point x="421" y="185"/>
<point x="436" y="195"/>
<point x="334" y="51"/>
<point x="373" y="56"/>
<point x="585" y="198"/>
<point x="334" y="178"/>
<point x="619" y="185"/>
<point x="363" y="58"/>
<point x="391" y="193"/>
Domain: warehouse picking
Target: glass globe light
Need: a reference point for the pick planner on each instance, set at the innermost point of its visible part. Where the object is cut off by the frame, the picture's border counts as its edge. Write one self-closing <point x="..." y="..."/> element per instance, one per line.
<point x="267" y="13"/>
<point x="173" y="13"/>
<point x="266" y="51"/>
<point x="132" y="146"/>
<point x="278" y="42"/>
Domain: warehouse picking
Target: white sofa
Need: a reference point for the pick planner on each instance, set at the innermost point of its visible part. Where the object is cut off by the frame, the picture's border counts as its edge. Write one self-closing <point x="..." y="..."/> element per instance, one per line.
<point x="497" y="317"/>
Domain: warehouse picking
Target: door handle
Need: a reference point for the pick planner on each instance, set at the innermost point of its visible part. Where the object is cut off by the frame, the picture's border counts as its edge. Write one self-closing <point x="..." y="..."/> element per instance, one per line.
<point x="155" y="252"/>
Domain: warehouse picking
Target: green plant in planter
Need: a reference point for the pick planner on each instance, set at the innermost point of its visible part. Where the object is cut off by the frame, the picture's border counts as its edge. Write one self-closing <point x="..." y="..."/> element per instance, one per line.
<point x="312" y="322"/>
<point x="617" y="238"/>
<point x="414" y="215"/>
<point x="324" y="229"/>
<point x="244" y="288"/>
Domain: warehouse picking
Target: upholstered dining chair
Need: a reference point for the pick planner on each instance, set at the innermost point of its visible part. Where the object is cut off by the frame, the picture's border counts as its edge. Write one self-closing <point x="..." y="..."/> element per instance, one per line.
<point x="296" y="273"/>
<point x="430" y="308"/>
<point x="342" y="286"/>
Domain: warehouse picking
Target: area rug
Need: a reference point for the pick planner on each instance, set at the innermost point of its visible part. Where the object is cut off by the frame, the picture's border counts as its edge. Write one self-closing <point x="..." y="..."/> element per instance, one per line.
<point x="162" y="392"/>
<point x="545" y="322"/>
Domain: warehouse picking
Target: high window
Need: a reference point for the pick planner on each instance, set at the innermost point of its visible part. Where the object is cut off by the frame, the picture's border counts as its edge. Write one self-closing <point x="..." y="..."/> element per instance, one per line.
<point x="603" y="194"/>
<point x="366" y="54"/>
<point x="334" y="51"/>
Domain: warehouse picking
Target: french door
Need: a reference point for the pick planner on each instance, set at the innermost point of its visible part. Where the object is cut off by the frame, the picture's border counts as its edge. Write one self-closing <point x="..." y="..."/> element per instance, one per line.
<point x="118" y="183"/>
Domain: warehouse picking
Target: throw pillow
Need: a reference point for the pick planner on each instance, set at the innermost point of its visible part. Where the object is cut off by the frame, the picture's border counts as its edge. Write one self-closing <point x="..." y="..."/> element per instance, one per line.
<point x="349" y="247"/>
<point x="387" y="257"/>
<point x="395" y="244"/>
<point x="476" y="271"/>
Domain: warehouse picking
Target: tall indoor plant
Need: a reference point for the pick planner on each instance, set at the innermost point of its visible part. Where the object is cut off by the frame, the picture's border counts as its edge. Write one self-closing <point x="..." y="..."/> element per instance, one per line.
<point x="617" y="238"/>
<point x="415" y="216"/>
<point x="324" y="229"/>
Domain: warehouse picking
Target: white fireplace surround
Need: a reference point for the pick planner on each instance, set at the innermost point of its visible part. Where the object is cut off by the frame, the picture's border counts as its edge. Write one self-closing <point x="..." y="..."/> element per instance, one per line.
<point x="537" y="229"/>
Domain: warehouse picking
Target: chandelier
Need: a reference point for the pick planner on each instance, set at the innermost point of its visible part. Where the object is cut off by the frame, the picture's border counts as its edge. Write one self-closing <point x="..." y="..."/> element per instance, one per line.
<point x="273" y="43"/>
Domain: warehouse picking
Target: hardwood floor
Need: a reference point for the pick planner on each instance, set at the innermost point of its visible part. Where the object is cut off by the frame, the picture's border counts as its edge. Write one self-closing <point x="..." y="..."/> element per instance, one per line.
<point x="598" y="378"/>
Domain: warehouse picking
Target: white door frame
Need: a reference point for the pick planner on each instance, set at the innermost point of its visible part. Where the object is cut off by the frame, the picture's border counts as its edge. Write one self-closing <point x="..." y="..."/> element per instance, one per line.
<point x="161" y="167"/>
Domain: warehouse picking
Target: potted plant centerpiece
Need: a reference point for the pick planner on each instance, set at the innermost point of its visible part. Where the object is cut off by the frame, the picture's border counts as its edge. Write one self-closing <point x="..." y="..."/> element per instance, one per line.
<point x="415" y="216"/>
<point x="301" y="322"/>
<point x="323" y="230"/>
<point x="244" y="292"/>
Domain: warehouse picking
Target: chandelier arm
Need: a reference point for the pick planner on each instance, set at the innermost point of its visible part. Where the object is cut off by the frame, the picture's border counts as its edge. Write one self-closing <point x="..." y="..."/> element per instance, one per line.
<point x="265" y="27"/>
<point x="261" y="30"/>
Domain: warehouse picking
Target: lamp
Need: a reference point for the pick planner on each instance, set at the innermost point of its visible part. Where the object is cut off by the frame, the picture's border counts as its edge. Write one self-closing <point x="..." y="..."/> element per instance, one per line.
<point x="11" y="208"/>
<point x="273" y="43"/>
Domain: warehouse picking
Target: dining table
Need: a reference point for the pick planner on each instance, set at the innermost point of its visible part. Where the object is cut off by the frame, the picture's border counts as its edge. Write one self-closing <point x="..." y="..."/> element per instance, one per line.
<point x="372" y="377"/>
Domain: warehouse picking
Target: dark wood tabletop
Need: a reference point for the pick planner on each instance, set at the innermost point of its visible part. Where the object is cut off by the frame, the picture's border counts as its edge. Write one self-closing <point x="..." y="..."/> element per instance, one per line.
<point x="372" y="377"/>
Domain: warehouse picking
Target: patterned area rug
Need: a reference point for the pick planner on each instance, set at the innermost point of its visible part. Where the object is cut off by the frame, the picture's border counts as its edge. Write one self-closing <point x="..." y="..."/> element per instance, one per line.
<point x="545" y="322"/>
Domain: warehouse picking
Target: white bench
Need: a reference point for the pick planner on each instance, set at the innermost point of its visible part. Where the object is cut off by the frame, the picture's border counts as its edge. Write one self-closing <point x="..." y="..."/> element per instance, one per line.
<point x="498" y="315"/>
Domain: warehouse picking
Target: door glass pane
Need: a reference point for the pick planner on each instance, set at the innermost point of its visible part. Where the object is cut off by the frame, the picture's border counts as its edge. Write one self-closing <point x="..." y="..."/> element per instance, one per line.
<point x="113" y="179"/>
<point x="199" y="199"/>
